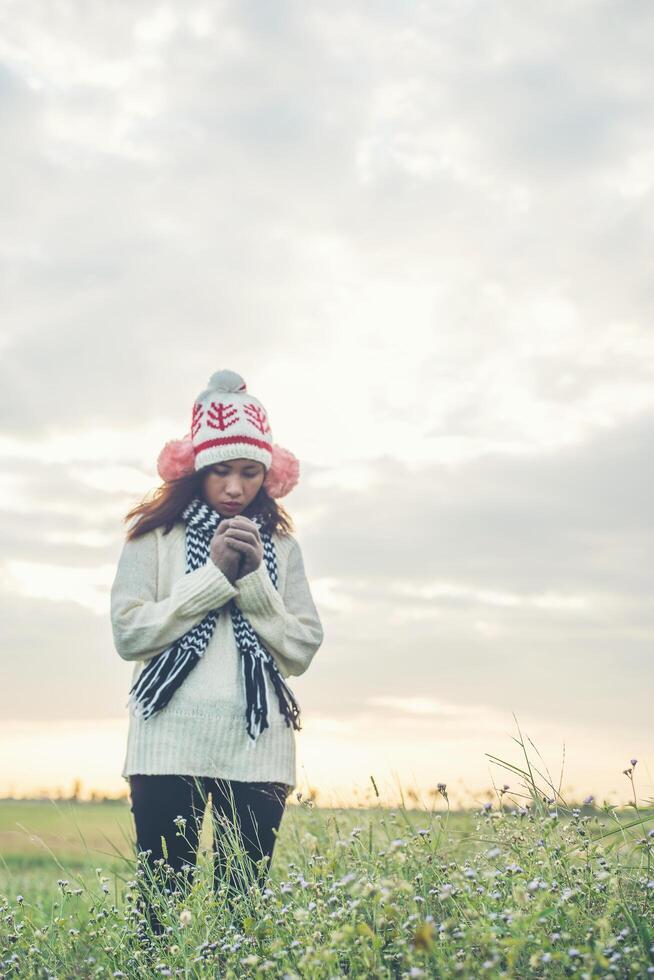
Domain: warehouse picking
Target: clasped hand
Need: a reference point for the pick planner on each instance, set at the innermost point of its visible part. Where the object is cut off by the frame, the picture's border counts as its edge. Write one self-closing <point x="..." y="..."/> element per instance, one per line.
<point x="236" y="547"/>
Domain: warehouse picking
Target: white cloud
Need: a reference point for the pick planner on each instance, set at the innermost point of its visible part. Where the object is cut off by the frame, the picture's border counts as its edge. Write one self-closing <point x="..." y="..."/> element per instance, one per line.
<point x="331" y="594"/>
<point x="548" y="600"/>
<point x="425" y="706"/>
<point x="89" y="587"/>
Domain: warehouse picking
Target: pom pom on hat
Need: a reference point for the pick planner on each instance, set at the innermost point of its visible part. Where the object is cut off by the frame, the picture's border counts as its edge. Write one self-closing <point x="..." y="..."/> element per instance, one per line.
<point x="226" y="381"/>
<point x="284" y="472"/>
<point x="176" y="459"/>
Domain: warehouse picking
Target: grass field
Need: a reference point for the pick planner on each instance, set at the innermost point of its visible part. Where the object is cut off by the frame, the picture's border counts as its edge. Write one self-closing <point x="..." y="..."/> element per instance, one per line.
<point x="525" y="887"/>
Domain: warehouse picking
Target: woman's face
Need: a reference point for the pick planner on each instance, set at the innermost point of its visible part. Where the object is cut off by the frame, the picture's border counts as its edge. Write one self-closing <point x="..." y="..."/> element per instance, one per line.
<point x="234" y="481"/>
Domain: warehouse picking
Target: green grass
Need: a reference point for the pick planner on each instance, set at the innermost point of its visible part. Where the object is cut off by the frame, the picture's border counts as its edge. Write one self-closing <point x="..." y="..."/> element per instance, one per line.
<point x="529" y="887"/>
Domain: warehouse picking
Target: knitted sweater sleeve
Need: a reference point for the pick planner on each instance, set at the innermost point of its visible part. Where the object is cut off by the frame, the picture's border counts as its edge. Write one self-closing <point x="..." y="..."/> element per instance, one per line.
<point x="144" y="626"/>
<point x="288" y="625"/>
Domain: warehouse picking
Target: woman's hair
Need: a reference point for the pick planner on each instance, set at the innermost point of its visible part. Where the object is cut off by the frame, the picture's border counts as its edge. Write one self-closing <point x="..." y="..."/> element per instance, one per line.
<point x="163" y="507"/>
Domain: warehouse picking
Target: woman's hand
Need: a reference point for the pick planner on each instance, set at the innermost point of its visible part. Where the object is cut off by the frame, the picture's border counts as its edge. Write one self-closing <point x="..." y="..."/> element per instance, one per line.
<point x="242" y="534"/>
<point x="224" y="554"/>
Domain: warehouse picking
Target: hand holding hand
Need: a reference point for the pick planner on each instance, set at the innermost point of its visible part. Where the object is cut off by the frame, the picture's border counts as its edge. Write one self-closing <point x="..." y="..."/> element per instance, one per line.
<point x="242" y="535"/>
<point x="223" y="554"/>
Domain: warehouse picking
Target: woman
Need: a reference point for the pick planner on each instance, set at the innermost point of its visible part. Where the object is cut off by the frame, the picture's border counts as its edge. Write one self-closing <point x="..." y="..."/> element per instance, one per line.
<point x="212" y="603"/>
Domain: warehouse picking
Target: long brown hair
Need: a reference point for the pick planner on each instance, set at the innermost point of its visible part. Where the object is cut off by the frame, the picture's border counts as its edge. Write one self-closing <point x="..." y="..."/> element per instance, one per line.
<point x="163" y="506"/>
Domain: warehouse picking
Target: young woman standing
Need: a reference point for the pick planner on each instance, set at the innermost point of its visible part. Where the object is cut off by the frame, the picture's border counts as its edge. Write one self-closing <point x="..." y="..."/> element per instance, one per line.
<point x="212" y="604"/>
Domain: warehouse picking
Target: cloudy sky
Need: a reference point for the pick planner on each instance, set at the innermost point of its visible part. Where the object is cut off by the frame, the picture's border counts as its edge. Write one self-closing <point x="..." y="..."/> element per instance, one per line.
<point x="422" y="232"/>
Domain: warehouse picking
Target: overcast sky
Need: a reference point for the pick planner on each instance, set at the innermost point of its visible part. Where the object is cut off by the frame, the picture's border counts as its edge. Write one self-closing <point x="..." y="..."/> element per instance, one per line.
<point x="422" y="232"/>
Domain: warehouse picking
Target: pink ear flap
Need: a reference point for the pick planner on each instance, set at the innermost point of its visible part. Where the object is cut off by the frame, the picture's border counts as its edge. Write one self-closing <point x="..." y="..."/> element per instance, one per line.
<point x="283" y="474"/>
<point x="176" y="459"/>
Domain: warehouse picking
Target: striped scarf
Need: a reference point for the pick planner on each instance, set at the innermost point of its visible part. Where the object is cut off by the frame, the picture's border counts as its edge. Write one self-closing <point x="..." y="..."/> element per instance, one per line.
<point x="164" y="673"/>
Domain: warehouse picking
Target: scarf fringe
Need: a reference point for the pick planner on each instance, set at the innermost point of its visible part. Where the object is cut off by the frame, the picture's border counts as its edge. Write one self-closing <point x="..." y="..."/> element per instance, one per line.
<point x="164" y="693"/>
<point x="256" y="712"/>
<point x="287" y="703"/>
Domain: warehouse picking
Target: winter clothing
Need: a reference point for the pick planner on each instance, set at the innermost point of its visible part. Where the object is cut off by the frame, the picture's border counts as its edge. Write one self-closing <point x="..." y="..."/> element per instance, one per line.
<point x="155" y="601"/>
<point x="228" y="423"/>
<point x="164" y="674"/>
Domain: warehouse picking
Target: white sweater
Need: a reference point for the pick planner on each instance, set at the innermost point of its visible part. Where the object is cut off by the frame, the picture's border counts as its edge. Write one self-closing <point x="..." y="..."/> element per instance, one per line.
<point x="202" y="729"/>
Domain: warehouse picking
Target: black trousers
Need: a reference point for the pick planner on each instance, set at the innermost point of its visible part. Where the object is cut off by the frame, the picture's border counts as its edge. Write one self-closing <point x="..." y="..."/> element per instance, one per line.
<point x="246" y="817"/>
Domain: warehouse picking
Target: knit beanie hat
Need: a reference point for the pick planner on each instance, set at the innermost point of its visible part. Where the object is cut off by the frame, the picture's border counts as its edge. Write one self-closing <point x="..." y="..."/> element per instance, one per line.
<point x="229" y="423"/>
